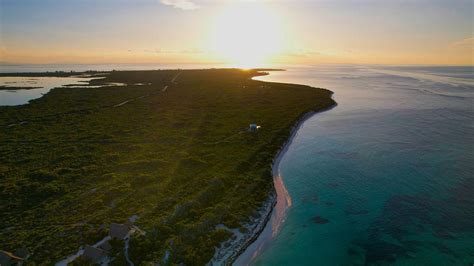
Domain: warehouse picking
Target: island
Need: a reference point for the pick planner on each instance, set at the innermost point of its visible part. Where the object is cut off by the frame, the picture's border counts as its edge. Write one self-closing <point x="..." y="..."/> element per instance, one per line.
<point x="170" y="168"/>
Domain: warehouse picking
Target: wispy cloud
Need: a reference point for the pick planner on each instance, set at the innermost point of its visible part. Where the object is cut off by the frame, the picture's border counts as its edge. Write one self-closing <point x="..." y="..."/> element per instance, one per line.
<point x="319" y="53"/>
<point x="464" y="43"/>
<point x="182" y="51"/>
<point x="181" y="4"/>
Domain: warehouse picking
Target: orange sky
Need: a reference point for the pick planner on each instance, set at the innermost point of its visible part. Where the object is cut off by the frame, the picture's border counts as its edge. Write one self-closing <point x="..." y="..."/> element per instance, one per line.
<point x="253" y="33"/>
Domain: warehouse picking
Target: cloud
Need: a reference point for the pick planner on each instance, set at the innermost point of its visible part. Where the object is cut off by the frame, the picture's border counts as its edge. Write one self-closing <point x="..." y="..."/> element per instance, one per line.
<point x="181" y="4"/>
<point x="182" y="51"/>
<point x="464" y="43"/>
<point x="319" y="53"/>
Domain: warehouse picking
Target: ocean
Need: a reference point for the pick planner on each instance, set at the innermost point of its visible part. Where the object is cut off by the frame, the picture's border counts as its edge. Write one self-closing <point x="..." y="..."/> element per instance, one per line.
<point x="384" y="178"/>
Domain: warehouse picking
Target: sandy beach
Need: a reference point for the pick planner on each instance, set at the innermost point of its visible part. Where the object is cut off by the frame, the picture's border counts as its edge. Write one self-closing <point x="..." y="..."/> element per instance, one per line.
<point x="242" y="249"/>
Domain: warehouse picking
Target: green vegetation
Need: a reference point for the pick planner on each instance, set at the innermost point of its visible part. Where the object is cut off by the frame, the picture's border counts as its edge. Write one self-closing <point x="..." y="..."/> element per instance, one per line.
<point x="181" y="159"/>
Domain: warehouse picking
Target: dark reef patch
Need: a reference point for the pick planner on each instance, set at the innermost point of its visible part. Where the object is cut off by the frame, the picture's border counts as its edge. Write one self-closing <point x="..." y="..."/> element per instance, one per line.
<point x="320" y="220"/>
<point x="379" y="252"/>
<point x="405" y="216"/>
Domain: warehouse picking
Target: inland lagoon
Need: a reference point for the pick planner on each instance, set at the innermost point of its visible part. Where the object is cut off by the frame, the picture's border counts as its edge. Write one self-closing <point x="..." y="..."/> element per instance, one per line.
<point x="21" y="88"/>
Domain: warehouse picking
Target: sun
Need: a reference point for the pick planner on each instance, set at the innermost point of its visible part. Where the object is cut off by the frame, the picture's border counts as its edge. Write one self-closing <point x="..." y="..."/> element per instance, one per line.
<point x="246" y="35"/>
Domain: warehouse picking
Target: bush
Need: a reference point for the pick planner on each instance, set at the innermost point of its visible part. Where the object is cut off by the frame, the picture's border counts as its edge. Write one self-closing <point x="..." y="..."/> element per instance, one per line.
<point x="42" y="176"/>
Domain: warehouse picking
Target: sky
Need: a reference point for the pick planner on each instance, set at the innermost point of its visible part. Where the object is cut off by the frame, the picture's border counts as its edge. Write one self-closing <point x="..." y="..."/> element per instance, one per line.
<point x="240" y="32"/>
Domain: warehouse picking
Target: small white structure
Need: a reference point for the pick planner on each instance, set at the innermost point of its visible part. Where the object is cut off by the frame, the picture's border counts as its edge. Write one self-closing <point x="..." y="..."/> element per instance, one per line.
<point x="253" y="127"/>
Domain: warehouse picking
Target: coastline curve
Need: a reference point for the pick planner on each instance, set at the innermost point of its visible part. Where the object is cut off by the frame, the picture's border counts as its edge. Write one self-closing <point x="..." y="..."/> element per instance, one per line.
<point x="242" y="249"/>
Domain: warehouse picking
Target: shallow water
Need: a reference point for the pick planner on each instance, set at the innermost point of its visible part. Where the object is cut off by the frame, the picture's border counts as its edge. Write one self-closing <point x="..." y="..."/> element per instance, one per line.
<point x="36" y="87"/>
<point x="42" y="85"/>
<point x="18" y="97"/>
<point x="387" y="176"/>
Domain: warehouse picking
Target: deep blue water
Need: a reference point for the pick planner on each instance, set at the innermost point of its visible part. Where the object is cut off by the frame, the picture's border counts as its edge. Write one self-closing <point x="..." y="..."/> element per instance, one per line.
<point x="386" y="177"/>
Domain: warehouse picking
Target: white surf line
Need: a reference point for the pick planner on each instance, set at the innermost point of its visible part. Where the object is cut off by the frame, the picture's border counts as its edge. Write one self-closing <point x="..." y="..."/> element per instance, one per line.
<point x="426" y="77"/>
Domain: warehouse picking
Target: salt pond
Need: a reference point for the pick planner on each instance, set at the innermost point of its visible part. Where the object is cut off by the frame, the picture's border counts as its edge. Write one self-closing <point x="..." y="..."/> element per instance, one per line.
<point x="24" y="89"/>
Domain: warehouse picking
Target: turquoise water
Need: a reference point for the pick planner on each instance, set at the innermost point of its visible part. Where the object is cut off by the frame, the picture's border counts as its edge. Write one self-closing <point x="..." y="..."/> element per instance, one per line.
<point x="386" y="177"/>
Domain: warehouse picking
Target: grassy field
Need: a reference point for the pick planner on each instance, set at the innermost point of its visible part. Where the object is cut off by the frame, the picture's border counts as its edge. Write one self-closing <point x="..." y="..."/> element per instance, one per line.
<point x="181" y="159"/>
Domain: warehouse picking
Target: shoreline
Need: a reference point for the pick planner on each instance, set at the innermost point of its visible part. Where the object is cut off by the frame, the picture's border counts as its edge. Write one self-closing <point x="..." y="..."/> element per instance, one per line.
<point x="243" y="249"/>
<point x="295" y="104"/>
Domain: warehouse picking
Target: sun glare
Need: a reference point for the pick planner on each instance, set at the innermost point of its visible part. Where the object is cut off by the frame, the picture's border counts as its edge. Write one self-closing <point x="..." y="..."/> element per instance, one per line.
<point x="246" y="35"/>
